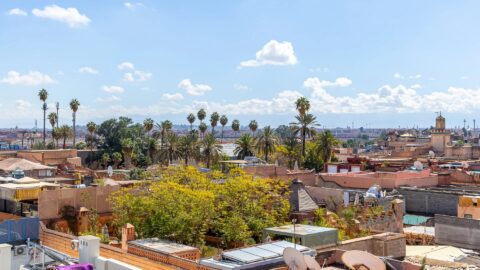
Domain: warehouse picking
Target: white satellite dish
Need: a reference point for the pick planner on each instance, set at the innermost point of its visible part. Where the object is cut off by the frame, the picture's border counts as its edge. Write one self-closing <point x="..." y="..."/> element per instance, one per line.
<point x="294" y="259"/>
<point x="110" y="171"/>
<point x="418" y="165"/>
<point x="312" y="264"/>
<point x="431" y="154"/>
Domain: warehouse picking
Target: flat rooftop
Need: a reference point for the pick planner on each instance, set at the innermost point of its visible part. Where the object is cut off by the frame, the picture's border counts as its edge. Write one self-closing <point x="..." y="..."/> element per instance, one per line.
<point x="160" y="245"/>
<point x="300" y="229"/>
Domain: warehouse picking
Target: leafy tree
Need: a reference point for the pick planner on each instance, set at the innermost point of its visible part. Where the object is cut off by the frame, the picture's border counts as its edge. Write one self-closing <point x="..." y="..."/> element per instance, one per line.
<point x="186" y="205"/>
<point x="91" y="140"/>
<point x="210" y="148"/>
<point x="312" y="159"/>
<point x="245" y="146"/>
<point x="266" y="142"/>
<point x="74" y="104"/>
<point x="290" y="148"/>
<point x="235" y="126"/>
<point x="191" y="119"/>
<point x="253" y="125"/>
<point x="163" y="129"/>
<point x="43" y="95"/>
<point x="223" y="122"/>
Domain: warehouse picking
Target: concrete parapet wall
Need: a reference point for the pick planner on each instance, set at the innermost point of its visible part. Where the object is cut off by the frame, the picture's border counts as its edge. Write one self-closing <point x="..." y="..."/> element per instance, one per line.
<point x="430" y="202"/>
<point x="458" y="232"/>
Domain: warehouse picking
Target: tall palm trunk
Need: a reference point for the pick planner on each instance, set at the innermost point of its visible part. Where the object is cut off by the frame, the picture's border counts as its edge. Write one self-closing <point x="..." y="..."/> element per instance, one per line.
<point x="221" y="140"/>
<point x="303" y="141"/>
<point x="64" y="142"/>
<point x="74" y="130"/>
<point x="44" y="122"/>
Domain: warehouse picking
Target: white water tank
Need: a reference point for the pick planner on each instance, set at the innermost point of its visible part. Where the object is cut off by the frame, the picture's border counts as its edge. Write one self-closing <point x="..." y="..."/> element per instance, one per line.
<point x="6" y="256"/>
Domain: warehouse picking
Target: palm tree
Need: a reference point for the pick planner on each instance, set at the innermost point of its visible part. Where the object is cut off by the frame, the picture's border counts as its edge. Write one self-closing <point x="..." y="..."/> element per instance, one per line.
<point x="266" y="142"/>
<point x="148" y="125"/>
<point x="57" y="106"/>
<point x="235" y="126"/>
<point x="201" y="114"/>
<point x="127" y="150"/>
<point x="43" y="95"/>
<point x="223" y="122"/>
<point x="65" y="132"/>
<point x="116" y="158"/>
<point x="171" y="151"/>
<point x="304" y="126"/>
<point x="74" y="104"/>
<point x="245" y="146"/>
<point x="203" y="128"/>
<point x="188" y="147"/>
<point x="253" y="126"/>
<point x="91" y="127"/>
<point x="210" y="148"/>
<point x="292" y="146"/>
<point x="214" y="121"/>
<point x="162" y="131"/>
<point x="53" y="119"/>
<point x="302" y="105"/>
<point x="105" y="159"/>
<point x="191" y="119"/>
<point x="325" y="142"/>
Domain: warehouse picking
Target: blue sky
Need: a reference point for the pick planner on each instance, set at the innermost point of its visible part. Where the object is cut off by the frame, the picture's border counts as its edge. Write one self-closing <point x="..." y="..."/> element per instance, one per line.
<point x="375" y="63"/>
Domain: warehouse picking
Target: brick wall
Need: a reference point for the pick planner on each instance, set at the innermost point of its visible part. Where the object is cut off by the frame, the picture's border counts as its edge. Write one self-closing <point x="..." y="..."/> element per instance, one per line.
<point x="61" y="242"/>
<point x="385" y="244"/>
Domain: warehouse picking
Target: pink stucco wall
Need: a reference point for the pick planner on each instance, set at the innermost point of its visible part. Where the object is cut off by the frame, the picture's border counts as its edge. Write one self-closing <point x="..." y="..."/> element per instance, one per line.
<point x="384" y="179"/>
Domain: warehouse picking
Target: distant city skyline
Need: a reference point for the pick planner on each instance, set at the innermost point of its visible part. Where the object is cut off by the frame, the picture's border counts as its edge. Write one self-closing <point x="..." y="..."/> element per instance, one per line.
<point x="378" y="65"/>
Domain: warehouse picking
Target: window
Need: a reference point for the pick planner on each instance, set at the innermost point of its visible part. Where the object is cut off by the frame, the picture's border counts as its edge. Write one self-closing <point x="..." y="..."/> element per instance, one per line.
<point x="467" y="216"/>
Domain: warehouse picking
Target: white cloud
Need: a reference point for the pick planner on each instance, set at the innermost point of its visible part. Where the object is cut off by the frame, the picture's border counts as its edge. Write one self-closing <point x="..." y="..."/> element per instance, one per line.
<point x="108" y="99"/>
<point x="397" y="76"/>
<point x="17" y="11"/>
<point x="416" y="86"/>
<point x="31" y="79"/>
<point x="273" y="53"/>
<point x="464" y="77"/>
<point x="172" y="97"/>
<point x="113" y="89"/>
<point x="194" y="89"/>
<point x="133" y="5"/>
<point x="70" y="16"/>
<point x="22" y="104"/>
<point x="126" y="66"/>
<point x="318" y="86"/>
<point x="240" y="87"/>
<point x="88" y="70"/>
<point x="137" y="75"/>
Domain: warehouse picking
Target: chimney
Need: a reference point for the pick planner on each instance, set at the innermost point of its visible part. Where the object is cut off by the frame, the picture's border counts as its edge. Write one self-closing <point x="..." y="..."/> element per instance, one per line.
<point x="128" y="234"/>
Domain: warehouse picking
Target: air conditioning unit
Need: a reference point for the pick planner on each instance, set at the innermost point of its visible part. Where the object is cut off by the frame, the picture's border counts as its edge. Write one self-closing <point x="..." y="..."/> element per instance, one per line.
<point x="74" y="244"/>
<point x="20" y="250"/>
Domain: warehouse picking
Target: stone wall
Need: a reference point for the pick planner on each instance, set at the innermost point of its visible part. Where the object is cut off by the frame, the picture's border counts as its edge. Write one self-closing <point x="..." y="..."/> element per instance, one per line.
<point x="280" y="172"/>
<point x="429" y="202"/>
<point x="458" y="232"/>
